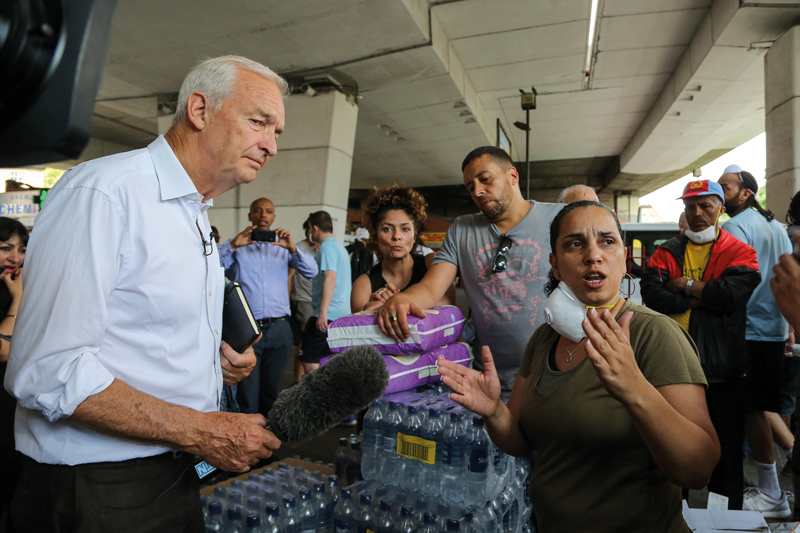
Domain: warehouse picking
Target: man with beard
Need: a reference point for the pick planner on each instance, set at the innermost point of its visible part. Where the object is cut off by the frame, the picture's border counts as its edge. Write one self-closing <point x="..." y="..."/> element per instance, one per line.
<point x="501" y="255"/>
<point x="703" y="280"/>
<point x="766" y="333"/>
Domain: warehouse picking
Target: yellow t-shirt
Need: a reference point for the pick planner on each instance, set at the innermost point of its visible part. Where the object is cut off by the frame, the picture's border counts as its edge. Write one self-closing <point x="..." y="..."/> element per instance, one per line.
<point x="694" y="266"/>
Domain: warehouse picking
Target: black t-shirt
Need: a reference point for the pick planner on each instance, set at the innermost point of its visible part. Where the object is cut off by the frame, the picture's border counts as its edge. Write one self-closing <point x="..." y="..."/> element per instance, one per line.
<point x="417" y="273"/>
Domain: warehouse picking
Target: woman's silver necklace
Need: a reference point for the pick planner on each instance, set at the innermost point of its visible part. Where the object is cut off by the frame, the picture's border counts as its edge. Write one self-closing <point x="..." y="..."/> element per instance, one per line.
<point x="572" y="352"/>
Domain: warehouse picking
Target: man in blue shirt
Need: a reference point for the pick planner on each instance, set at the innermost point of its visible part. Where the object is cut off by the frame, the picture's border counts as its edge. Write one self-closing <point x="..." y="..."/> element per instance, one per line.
<point x="262" y="268"/>
<point x="330" y="291"/>
<point x="766" y="332"/>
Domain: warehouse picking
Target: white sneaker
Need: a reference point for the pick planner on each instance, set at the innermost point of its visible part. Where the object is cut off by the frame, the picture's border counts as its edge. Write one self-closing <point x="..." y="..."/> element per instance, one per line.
<point x="756" y="499"/>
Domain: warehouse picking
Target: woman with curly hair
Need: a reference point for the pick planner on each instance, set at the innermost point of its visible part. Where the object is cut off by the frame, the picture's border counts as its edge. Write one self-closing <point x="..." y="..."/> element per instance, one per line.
<point x="393" y="215"/>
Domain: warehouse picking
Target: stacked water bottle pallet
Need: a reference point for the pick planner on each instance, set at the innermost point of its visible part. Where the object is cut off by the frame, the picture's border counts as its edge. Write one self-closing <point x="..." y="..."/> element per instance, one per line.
<point x="426" y="443"/>
<point x="372" y="506"/>
<point x="289" y="499"/>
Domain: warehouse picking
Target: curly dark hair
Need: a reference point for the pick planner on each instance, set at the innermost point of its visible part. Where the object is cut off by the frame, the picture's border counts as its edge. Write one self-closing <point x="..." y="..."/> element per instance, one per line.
<point x="555" y="229"/>
<point x="384" y="199"/>
<point x="793" y="215"/>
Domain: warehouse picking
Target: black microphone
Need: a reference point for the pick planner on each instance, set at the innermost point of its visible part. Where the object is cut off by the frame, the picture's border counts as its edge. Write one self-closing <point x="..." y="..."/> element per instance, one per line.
<point x="345" y="385"/>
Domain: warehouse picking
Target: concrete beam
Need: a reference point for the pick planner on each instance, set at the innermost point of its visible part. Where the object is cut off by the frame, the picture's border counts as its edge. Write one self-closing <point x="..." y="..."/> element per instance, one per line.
<point x="714" y="99"/>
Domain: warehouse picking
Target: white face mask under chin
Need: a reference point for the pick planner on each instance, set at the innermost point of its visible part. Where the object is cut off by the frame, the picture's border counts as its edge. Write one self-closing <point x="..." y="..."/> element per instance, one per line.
<point x="702" y="237"/>
<point x="565" y="313"/>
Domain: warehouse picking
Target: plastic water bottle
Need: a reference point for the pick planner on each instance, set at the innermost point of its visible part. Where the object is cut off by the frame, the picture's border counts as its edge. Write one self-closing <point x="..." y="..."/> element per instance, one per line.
<point x="233" y="523"/>
<point x="234" y="498"/>
<point x="363" y="514"/>
<point x="308" y="515"/>
<point x="354" y="465"/>
<point x="429" y="523"/>
<point x="400" y="501"/>
<point x="324" y="508"/>
<point x="254" y="505"/>
<point x="485" y="518"/>
<point x="204" y="505"/>
<point x="372" y="441"/>
<point x="333" y="489"/>
<point x="343" y="520"/>
<point x="341" y="459"/>
<point x="410" y="469"/>
<point x="500" y="470"/>
<point x="407" y="523"/>
<point x="390" y="461"/>
<point x="270" y="496"/>
<point x="272" y="519"/>
<point x="431" y="475"/>
<point x="384" y="521"/>
<point x="214" y="522"/>
<point x="478" y="445"/>
<point x="291" y="518"/>
<point x="454" y="459"/>
<point x="469" y="524"/>
<point x="453" y="525"/>
<point x="442" y="512"/>
<point x="252" y="524"/>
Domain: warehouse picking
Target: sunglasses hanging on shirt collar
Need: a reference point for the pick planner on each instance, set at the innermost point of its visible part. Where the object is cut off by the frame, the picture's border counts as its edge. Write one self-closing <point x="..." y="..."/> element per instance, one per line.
<point x="500" y="260"/>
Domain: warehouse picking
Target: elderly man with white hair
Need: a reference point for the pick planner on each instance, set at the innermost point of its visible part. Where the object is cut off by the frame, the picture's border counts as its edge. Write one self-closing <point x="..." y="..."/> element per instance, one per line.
<point x="117" y="361"/>
<point x="576" y="193"/>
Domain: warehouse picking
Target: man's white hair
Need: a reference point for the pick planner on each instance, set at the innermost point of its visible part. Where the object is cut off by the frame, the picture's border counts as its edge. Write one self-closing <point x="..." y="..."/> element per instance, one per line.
<point x="216" y="77"/>
<point x="563" y="196"/>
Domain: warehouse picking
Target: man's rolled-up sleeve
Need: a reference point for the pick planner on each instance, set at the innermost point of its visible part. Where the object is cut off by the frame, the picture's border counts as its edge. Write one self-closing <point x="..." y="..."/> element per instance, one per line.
<point x="76" y="257"/>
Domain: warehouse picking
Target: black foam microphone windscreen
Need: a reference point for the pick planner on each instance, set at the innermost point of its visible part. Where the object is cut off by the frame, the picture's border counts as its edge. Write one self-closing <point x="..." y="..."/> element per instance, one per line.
<point x="345" y="385"/>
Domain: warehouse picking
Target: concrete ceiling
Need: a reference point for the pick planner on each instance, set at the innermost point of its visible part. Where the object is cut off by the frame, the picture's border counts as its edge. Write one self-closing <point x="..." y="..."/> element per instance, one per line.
<point x="671" y="81"/>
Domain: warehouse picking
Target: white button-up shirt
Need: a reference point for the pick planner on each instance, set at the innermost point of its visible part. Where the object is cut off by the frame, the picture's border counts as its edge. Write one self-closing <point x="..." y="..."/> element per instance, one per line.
<point x="115" y="286"/>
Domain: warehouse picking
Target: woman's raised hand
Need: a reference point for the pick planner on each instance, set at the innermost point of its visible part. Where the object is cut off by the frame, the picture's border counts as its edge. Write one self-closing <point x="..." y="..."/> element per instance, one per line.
<point x="477" y="391"/>
<point x="379" y="297"/>
<point x="608" y="347"/>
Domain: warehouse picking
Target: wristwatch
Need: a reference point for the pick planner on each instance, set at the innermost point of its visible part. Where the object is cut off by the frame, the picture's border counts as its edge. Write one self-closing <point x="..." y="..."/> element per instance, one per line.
<point x="688" y="289"/>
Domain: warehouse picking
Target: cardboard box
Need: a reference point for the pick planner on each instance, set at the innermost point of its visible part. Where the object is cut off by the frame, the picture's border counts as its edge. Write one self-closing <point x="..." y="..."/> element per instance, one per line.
<point x="208" y="491"/>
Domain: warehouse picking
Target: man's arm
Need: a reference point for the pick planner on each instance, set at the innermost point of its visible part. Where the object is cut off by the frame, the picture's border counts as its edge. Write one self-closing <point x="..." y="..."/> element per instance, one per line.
<point x="655" y="293"/>
<point x="423" y="295"/>
<point x="304" y="264"/>
<point x="328" y="288"/>
<point x="229" y="441"/>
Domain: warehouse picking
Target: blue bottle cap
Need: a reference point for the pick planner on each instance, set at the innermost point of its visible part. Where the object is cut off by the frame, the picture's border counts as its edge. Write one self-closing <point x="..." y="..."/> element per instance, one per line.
<point x="429" y="517"/>
<point x="253" y="520"/>
<point x="407" y="510"/>
<point x="215" y="508"/>
<point x="386" y="505"/>
<point x="235" y="513"/>
<point x="452" y="524"/>
<point x="366" y="499"/>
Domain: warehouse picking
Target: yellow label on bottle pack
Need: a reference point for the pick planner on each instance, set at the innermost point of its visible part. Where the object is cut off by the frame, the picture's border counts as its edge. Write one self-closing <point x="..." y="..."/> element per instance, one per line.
<point x="416" y="448"/>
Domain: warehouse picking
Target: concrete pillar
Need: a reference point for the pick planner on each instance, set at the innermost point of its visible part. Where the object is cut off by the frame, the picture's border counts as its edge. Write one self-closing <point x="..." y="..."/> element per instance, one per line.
<point x="311" y="171"/>
<point x="782" y="108"/>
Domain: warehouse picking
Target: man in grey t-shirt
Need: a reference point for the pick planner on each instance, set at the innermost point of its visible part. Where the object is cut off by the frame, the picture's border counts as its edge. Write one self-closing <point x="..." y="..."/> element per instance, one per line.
<point x="502" y="256"/>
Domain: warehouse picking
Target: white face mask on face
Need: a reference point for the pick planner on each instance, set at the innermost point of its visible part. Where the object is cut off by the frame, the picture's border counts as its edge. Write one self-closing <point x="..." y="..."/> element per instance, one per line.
<point x="565" y="313"/>
<point x="707" y="235"/>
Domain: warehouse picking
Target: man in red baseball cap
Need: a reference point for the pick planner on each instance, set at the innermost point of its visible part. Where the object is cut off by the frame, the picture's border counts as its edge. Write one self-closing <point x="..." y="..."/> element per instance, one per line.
<point x="703" y="280"/>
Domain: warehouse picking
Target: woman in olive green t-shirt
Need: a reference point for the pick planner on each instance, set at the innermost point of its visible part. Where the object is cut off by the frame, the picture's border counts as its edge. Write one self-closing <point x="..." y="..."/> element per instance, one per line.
<point x="619" y="418"/>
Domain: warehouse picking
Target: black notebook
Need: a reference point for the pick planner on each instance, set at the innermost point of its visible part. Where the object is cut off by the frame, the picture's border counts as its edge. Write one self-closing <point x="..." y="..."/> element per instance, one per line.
<point x="239" y="327"/>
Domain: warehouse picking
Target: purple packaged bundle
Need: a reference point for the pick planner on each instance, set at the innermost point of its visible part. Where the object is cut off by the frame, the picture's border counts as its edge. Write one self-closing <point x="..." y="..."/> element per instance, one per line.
<point x="442" y="325"/>
<point x="410" y="371"/>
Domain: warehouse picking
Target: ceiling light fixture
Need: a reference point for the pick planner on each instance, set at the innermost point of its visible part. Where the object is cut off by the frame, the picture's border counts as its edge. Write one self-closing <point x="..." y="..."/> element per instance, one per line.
<point x="590" y="42"/>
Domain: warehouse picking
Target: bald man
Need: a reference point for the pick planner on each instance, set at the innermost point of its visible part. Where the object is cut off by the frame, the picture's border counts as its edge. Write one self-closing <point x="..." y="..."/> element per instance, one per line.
<point x="262" y="268"/>
<point x="576" y="193"/>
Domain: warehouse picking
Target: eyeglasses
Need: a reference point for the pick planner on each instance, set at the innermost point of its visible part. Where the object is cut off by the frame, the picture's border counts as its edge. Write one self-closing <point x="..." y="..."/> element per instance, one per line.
<point x="500" y="260"/>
